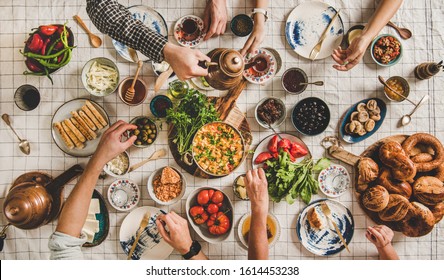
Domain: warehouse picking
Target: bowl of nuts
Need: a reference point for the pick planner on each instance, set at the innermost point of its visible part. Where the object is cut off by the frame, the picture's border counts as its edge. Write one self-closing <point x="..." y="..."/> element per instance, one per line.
<point x="386" y="50"/>
<point x="146" y="131"/>
<point x="166" y="185"/>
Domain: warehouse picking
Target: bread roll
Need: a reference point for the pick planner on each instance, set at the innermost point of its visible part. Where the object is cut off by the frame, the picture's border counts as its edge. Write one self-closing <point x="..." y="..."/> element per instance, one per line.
<point x="393" y="156"/>
<point x="396" y="209"/>
<point x="83" y="124"/>
<point x="394" y="186"/>
<point x="438" y="212"/>
<point x="375" y="198"/>
<point x="419" y="220"/>
<point x="92" y="117"/>
<point x="96" y="113"/>
<point x="422" y="157"/>
<point x="73" y="137"/>
<point x="361" y="187"/>
<point x="68" y="142"/>
<point x="368" y="170"/>
<point x="87" y="120"/>
<point x="429" y="190"/>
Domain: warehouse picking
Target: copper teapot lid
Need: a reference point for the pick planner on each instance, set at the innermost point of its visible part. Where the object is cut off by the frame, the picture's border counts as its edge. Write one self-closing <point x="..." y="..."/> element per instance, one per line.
<point x="231" y="63"/>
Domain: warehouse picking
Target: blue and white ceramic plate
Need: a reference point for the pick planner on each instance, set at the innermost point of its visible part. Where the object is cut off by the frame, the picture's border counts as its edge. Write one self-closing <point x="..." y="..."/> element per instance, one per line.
<point x="151" y="245"/>
<point x="151" y="19"/>
<point x="352" y="138"/>
<point x="256" y="77"/>
<point x="305" y="25"/>
<point x="325" y="241"/>
<point x="334" y="180"/>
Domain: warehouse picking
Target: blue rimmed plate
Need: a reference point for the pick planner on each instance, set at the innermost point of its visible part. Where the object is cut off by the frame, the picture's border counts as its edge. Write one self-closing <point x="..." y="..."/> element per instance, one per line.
<point x="334" y="180"/>
<point x="351" y="138"/>
<point x="325" y="241"/>
<point x="307" y="22"/>
<point x="149" y="17"/>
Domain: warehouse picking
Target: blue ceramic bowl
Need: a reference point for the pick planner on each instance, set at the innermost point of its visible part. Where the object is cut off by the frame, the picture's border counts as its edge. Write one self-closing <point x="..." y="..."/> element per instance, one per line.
<point x="241" y="25"/>
<point x="392" y="62"/>
<point x="159" y="104"/>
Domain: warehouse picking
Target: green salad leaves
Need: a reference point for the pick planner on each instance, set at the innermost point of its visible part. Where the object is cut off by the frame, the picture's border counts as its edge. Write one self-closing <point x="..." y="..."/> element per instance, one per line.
<point x="292" y="180"/>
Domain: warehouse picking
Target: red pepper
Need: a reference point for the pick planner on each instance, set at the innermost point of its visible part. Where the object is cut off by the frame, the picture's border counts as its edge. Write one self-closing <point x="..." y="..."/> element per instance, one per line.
<point x="48" y="30"/>
<point x="272" y="145"/>
<point x="292" y="158"/>
<point x="60" y="57"/>
<point x="33" y="65"/>
<point x="45" y="44"/>
<point x="59" y="46"/>
<point x="35" y="43"/>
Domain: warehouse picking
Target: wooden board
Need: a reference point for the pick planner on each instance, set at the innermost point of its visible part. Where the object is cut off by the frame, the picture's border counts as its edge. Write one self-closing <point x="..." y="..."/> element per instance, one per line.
<point x="229" y="113"/>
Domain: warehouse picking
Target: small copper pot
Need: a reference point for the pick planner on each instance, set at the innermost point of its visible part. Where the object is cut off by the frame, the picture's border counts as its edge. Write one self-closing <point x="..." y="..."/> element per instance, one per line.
<point x="228" y="71"/>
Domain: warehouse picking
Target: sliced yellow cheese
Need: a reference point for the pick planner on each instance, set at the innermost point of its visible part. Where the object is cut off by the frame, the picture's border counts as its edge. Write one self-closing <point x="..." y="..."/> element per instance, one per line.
<point x="94" y="206"/>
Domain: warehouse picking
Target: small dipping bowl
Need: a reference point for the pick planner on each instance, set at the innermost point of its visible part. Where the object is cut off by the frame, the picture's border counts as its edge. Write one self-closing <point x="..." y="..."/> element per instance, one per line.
<point x="140" y="88"/>
<point x="278" y="122"/>
<point x="159" y="105"/>
<point x="27" y="97"/>
<point x="397" y="83"/>
<point x="353" y="32"/>
<point x="103" y="61"/>
<point x="150" y="187"/>
<point x="159" y="68"/>
<point x="145" y="126"/>
<point x="118" y="164"/>
<point x="123" y="194"/>
<point x="236" y="185"/>
<point x="391" y="62"/>
<point x="291" y="80"/>
<point x="241" y="25"/>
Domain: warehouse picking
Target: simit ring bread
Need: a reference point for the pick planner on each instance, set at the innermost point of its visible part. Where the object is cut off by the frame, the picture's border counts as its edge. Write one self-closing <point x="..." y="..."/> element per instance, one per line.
<point x="419" y="221"/>
<point x="430" y="140"/>
<point x="392" y="155"/>
<point x="375" y="198"/>
<point x="422" y="157"/>
<point x="394" y="186"/>
<point x="429" y="190"/>
<point x="396" y="209"/>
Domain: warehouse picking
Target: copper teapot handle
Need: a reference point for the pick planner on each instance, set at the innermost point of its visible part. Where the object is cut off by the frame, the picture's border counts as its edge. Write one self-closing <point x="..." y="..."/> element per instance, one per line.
<point x="3" y="236"/>
<point x="64" y="178"/>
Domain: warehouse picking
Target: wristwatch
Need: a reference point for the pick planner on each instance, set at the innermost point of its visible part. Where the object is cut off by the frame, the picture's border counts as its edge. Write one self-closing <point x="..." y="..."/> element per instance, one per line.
<point x="259" y="11"/>
<point x="194" y="250"/>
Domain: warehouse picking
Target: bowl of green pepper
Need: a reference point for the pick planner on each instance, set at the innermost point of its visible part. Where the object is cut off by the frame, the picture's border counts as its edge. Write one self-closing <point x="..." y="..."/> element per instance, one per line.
<point x="48" y="48"/>
<point x="146" y="131"/>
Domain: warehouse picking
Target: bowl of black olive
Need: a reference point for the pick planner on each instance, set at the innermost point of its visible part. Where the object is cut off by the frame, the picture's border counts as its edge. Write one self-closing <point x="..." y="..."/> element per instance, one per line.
<point x="271" y="111"/>
<point x="146" y="131"/>
<point x="310" y="116"/>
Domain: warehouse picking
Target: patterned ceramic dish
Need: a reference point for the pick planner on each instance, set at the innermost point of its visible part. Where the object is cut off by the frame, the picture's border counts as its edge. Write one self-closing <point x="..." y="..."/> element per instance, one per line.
<point x="151" y="245"/>
<point x="325" y="241"/>
<point x="307" y="22"/>
<point x="123" y="194"/>
<point x="334" y="180"/>
<point x="273" y="229"/>
<point x="194" y="39"/>
<point x="148" y="17"/>
<point x="262" y="72"/>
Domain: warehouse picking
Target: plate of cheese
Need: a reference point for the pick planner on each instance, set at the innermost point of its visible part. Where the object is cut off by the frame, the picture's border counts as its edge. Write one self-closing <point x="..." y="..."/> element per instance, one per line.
<point x="96" y="226"/>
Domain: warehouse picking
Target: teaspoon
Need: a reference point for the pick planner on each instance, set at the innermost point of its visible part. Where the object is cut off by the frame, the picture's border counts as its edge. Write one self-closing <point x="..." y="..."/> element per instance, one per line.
<point x="406" y="119"/>
<point x="24" y="144"/>
<point x="318" y="83"/>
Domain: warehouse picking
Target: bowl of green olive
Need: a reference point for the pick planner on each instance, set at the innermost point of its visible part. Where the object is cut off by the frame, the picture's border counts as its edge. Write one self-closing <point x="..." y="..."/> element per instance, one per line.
<point x="146" y="131"/>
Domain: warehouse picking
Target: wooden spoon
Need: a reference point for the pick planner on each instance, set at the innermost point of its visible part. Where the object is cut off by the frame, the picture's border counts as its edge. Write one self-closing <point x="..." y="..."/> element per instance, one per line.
<point x="94" y="40"/>
<point x="403" y="32"/>
<point x="129" y="95"/>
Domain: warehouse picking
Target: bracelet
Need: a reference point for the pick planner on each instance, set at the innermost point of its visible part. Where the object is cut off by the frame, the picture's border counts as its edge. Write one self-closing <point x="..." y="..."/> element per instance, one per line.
<point x="259" y="11"/>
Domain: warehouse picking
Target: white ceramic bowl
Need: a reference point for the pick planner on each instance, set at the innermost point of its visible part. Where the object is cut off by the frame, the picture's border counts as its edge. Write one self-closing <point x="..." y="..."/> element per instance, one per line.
<point x="276" y="123"/>
<point x="150" y="187"/>
<point x="202" y="230"/>
<point x="271" y="217"/>
<point x="104" y="61"/>
<point x="109" y="172"/>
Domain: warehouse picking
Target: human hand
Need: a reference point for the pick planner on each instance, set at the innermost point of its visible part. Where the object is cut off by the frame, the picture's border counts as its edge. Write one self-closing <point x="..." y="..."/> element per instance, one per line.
<point x="256" y="37"/>
<point x="379" y="235"/>
<point x="184" y="61"/>
<point x="111" y="144"/>
<point x="257" y="190"/>
<point x="179" y="235"/>
<point x="349" y="58"/>
<point x="215" y="18"/>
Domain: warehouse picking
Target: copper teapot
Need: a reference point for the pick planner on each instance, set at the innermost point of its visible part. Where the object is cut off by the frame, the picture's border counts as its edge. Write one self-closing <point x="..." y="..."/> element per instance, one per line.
<point x="35" y="199"/>
<point x="226" y="70"/>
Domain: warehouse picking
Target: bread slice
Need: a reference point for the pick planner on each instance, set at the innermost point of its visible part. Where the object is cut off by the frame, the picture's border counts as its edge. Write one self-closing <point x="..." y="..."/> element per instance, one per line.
<point x="87" y="120"/>
<point x="96" y="113"/>
<point x="68" y="142"/>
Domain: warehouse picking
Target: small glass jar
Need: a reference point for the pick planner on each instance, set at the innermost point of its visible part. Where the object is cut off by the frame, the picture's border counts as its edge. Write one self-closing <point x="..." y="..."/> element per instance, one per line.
<point x="178" y="89"/>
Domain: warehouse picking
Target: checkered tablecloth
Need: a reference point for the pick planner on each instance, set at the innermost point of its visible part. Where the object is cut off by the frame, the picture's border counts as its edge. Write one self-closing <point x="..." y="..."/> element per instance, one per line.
<point x="424" y="18"/>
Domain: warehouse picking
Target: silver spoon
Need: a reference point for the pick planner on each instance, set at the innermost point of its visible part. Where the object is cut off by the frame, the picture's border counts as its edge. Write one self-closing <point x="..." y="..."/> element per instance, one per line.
<point x="24" y="144"/>
<point x="406" y="119"/>
<point x="318" y="83"/>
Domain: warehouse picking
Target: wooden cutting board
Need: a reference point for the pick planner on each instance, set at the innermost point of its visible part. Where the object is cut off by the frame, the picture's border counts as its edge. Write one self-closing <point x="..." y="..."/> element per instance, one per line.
<point x="229" y="113"/>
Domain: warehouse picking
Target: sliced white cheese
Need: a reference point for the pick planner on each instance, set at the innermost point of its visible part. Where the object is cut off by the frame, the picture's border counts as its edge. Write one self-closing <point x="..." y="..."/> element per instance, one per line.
<point x="94" y="206"/>
<point x="241" y="181"/>
<point x="92" y="225"/>
<point x="89" y="235"/>
<point x="91" y="217"/>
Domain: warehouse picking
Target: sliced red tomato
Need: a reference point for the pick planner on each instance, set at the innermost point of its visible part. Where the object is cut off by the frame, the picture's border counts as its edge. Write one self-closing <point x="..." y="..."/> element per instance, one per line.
<point x="262" y="157"/>
<point x="273" y="144"/>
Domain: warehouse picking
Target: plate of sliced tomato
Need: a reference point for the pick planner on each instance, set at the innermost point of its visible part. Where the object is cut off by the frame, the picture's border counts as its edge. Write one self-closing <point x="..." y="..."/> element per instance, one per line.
<point x="270" y="146"/>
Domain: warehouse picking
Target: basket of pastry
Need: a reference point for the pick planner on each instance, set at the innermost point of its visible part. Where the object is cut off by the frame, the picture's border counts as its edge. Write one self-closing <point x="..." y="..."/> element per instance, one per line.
<point x="399" y="182"/>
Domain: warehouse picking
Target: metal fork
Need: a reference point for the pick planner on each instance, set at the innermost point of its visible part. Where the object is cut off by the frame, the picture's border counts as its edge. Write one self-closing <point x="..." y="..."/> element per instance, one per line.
<point x="327" y="212"/>
<point x="317" y="48"/>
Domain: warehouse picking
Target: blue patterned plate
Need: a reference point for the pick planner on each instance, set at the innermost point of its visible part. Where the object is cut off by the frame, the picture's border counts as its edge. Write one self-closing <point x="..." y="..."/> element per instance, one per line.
<point x="334" y="180"/>
<point x="305" y="25"/>
<point x="151" y="245"/>
<point x="325" y="241"/>
<point x="148" y="17"/>
<point x="123" y="194"/>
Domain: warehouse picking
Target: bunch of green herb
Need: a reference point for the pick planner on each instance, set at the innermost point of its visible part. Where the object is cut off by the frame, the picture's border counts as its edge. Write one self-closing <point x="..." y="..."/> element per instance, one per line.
<point x="193" y="112"/>
<point x="292" y="180"/>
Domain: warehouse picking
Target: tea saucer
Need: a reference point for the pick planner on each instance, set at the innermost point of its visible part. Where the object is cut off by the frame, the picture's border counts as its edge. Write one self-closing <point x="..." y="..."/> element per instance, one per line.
<point x="179" y="33"/>
<point x="334" y="180"/>
<point x="123" y="194"/>
<point x="252" y="76"/>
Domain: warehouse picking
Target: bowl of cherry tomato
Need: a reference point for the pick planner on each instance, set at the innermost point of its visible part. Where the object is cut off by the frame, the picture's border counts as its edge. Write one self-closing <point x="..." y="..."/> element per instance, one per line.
<point x="47" y="49"/>
<point x="210" y="213"/>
